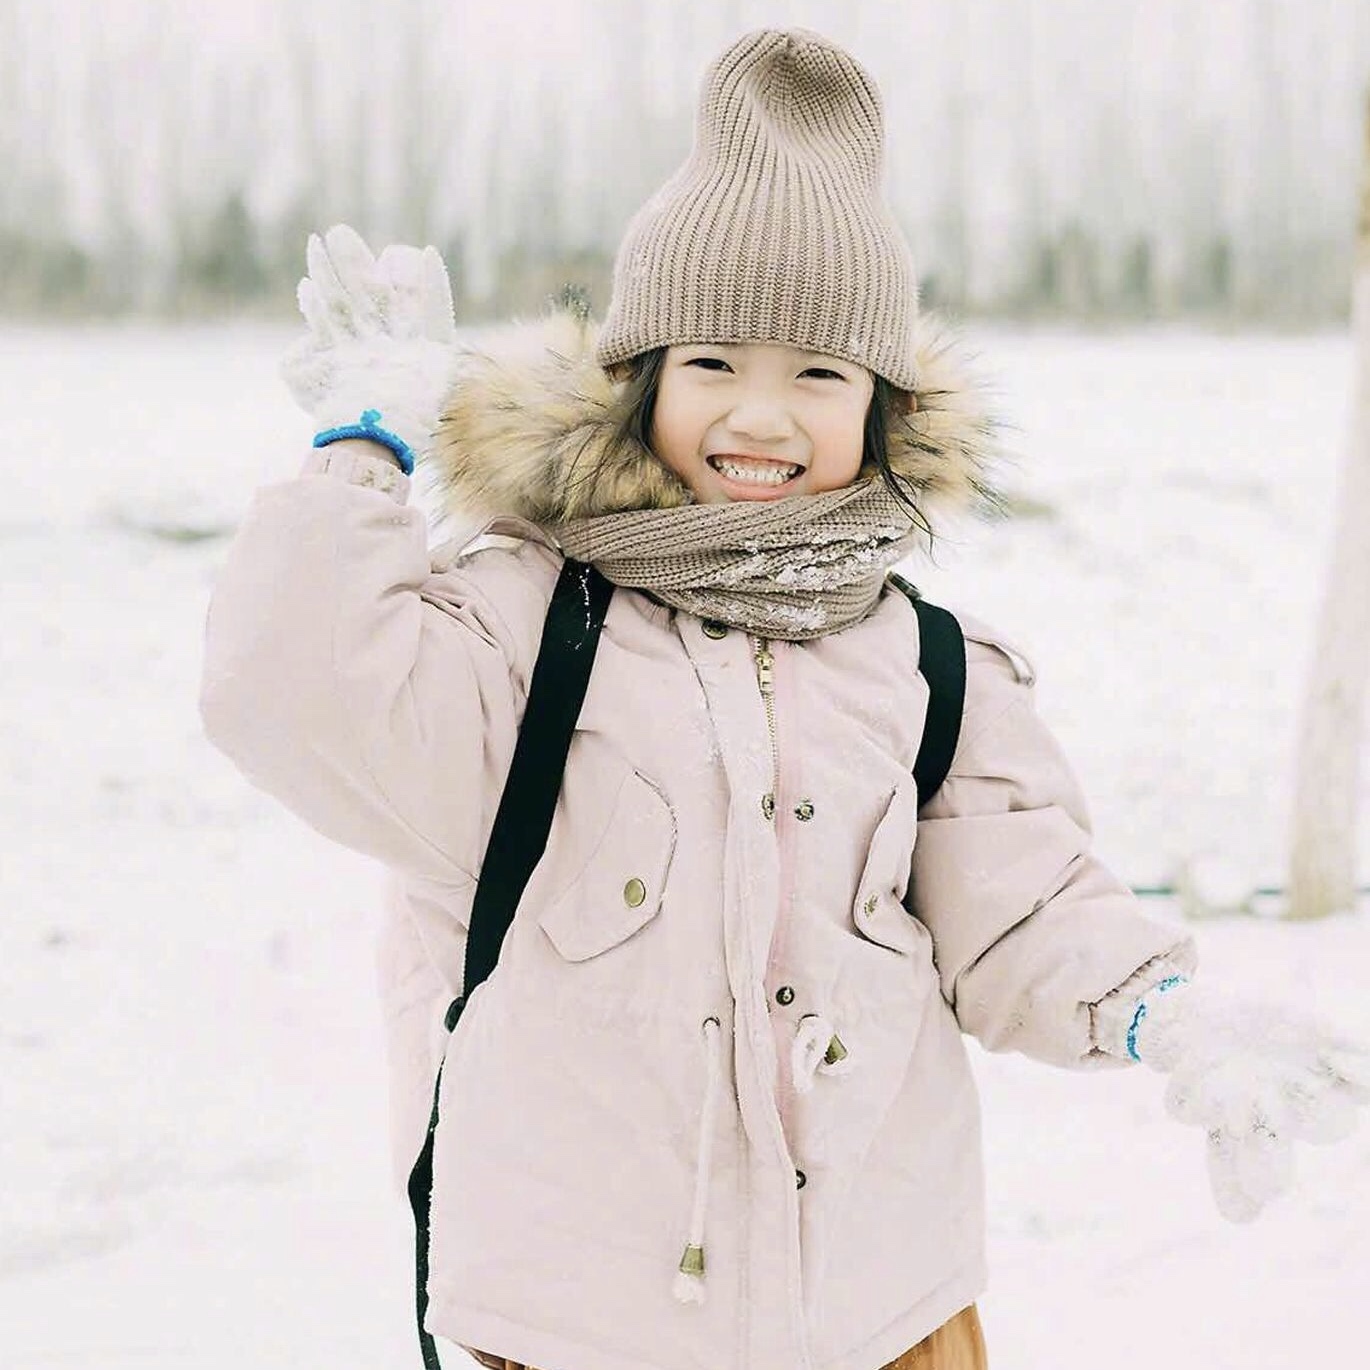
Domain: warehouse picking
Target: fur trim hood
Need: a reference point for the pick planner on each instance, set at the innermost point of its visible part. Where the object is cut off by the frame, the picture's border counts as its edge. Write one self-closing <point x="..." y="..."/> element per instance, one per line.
<point x="533" y="428"/>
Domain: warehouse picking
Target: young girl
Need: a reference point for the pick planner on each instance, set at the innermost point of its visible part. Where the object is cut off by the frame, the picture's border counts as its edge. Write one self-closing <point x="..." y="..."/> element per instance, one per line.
<point x="712" y="1110"/>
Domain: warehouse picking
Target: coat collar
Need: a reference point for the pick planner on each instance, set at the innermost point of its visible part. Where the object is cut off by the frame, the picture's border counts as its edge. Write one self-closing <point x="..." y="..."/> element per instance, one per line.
<point x="529" y="430"/>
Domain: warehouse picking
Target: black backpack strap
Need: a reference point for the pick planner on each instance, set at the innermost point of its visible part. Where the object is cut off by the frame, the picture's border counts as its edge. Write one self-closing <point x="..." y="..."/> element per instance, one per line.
<point x="942" y="662"/>
<point x="561" y="675"/>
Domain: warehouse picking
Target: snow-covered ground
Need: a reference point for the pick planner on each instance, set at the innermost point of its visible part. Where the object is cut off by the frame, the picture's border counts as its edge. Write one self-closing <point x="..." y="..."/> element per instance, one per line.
<point x="194" y="1172"/>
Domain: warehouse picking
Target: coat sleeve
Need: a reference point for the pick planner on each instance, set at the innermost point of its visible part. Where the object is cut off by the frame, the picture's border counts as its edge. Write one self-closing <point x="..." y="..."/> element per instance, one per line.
<point x="1030" y="930"/>
<point x="375" y="695"/>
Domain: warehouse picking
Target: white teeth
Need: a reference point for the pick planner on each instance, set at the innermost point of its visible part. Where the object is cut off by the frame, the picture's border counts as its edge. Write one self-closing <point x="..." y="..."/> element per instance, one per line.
<point x="769" y="475"/>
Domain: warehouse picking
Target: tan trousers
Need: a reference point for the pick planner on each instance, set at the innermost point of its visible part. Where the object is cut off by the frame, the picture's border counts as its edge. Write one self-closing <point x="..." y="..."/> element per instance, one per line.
<point x="958" y="1344"/>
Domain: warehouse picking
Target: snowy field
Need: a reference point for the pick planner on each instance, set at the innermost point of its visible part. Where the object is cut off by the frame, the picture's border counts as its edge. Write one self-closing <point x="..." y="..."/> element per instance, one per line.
<point x="194" y="1171"/>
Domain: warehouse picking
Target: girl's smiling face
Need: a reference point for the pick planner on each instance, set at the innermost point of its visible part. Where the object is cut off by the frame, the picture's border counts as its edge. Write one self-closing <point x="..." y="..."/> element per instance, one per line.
<point x="759" y="421"/>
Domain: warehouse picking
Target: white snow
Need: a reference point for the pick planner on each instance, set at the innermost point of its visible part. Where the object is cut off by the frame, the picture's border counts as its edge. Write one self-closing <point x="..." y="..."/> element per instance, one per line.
<point x="195" y="1169"/>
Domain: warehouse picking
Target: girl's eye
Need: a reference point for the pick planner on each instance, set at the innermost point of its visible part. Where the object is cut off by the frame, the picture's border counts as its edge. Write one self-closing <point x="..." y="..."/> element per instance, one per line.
<point x="717" y="363"/>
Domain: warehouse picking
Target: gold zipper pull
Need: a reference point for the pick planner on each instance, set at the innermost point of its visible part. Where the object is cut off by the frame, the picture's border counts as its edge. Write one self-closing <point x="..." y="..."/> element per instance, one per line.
<point x="765" y="663"/>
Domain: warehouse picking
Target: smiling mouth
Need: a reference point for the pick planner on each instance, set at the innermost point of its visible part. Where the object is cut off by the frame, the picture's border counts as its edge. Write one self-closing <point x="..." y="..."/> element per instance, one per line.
<point x="758" y="471"/>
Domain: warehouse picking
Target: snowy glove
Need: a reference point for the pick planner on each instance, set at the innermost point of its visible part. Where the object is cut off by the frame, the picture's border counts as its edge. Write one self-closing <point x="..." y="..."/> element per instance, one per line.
<point x="380" y="337"/>
<point x="1256" y="1077"/>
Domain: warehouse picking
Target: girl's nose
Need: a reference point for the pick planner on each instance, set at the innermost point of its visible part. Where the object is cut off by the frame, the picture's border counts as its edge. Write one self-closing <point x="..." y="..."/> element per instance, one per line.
<point x="762" y="419"/>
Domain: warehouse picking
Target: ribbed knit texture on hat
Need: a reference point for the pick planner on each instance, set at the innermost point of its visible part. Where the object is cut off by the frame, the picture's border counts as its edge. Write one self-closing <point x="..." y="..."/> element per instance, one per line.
<point x="775" y="229"/>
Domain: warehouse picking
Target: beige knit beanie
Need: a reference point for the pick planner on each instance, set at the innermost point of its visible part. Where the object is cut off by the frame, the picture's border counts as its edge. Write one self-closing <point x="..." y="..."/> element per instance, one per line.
<point x="775" y="228"/>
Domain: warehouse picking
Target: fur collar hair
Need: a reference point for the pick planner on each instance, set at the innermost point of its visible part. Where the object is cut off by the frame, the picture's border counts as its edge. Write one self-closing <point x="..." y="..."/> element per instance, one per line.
<point x="531" y="428"/>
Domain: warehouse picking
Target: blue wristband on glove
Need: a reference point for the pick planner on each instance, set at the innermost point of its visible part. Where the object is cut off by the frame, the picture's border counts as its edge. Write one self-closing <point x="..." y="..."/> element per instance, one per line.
<point x="1168" y="983"/>
<point x="369" y="427"/>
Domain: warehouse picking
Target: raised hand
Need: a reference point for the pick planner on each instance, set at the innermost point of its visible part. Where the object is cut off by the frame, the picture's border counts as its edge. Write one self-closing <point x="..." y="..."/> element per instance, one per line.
<point x="379" y="336"/>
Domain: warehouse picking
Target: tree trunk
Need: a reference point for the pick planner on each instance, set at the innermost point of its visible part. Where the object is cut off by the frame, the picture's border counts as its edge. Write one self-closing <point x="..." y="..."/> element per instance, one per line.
<point x="1322" y="875"/>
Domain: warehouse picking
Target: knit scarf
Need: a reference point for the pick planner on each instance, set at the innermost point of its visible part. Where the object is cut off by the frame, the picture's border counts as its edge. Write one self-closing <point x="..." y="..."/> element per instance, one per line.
<point x="792" y="568"/>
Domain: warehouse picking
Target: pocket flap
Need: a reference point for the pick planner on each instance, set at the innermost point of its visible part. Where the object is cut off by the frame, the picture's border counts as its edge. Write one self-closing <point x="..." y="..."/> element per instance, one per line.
<point x="879" y="912"/>
<point x="620" y="888"/>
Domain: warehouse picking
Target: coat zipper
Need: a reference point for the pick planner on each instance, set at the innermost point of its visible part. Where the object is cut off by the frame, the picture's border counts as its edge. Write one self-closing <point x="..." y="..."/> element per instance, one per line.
<point x="765" y="678"/>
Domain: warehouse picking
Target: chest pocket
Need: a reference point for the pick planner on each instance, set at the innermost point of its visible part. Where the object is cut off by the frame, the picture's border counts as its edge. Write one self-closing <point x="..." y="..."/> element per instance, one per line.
<point x="878" y="911"/>
<point x="623" y="845"/>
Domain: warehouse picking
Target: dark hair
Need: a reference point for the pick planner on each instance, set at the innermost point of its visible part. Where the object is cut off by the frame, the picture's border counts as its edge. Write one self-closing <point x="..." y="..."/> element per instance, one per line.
<point x="888" y="407"/>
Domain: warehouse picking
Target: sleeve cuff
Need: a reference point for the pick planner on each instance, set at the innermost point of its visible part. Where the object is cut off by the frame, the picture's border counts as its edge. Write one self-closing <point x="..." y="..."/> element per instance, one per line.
<point x="1111" y="1019"/>
<point x="359" y="463"/>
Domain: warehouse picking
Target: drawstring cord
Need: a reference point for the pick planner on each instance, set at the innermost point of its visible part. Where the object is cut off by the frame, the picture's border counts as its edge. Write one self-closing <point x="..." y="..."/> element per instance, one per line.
<point x="689" y="1281"/>
<point x="816" y="1048"/>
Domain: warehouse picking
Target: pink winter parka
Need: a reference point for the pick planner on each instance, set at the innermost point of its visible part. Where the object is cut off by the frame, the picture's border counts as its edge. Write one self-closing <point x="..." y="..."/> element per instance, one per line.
<point x="731" y="1003"/>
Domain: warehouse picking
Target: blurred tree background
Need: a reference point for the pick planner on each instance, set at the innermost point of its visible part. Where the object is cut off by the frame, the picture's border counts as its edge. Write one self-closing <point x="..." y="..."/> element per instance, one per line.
<point x="1089" y="159"/>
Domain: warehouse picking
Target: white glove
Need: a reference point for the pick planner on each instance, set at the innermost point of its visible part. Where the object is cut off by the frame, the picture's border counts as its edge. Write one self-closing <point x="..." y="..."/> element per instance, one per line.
<point x="1256" y="1077"/>
<point x="381" y="336"/>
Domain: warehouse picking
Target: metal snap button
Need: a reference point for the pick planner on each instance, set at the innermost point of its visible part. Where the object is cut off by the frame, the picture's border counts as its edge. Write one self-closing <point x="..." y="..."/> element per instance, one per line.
<point x="634" y="892"/>
<point x="800" y="1179"/>
<point x="714" y="629"/>
<point x="785" y="994"/>
<point x="768" y="807"/>
<point x="805" y="811"/>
